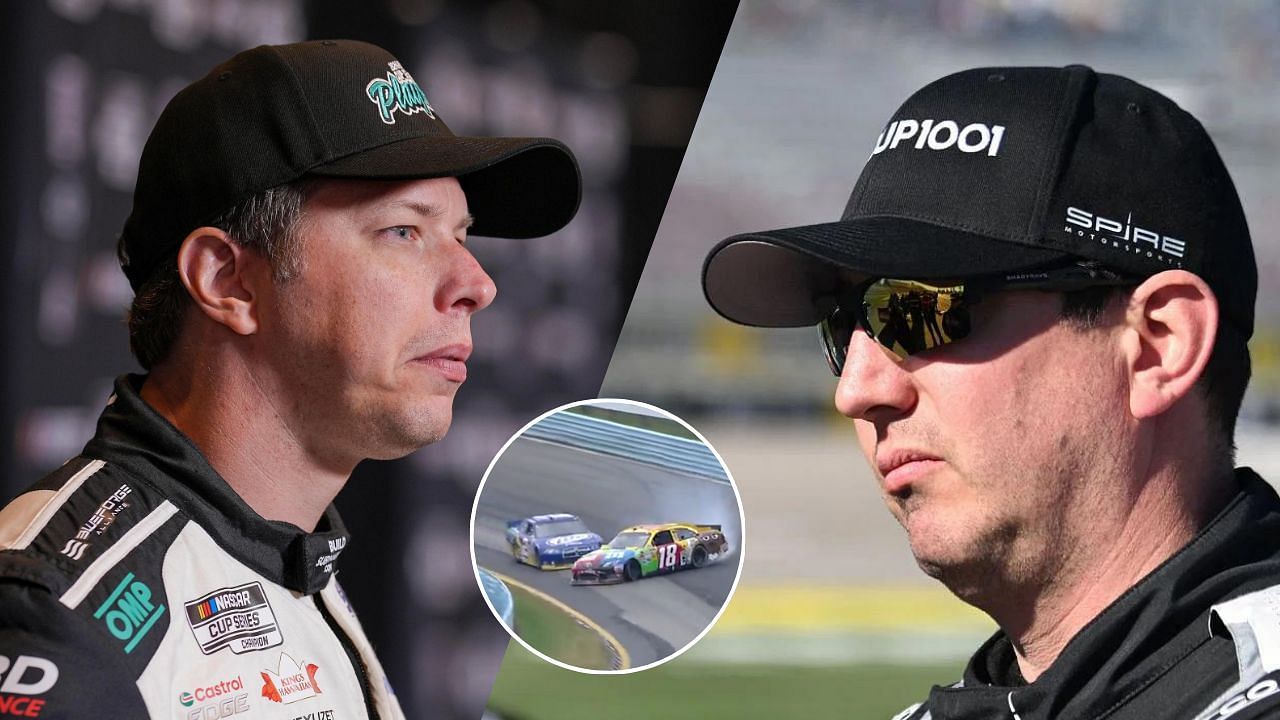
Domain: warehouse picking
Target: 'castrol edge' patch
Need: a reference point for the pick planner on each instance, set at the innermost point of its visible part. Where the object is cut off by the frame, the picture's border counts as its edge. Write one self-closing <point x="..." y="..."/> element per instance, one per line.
<point x="237" y="617"/>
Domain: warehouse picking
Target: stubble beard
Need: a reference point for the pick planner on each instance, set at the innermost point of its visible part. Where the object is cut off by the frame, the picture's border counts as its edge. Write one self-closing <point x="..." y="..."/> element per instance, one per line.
<point x="384" y="424"/>
<point x="976" y="563"/>
<point x="1003" y="560"/>
<point x="396" y="433"/>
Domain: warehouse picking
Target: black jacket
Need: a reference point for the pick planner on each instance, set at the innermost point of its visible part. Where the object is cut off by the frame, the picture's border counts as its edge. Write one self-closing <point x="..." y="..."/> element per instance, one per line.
<point x="1197" y="638"/>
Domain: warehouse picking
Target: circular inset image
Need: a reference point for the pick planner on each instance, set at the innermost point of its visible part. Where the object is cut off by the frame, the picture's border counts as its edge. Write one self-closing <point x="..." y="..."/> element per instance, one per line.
<point x="607" y="536"/>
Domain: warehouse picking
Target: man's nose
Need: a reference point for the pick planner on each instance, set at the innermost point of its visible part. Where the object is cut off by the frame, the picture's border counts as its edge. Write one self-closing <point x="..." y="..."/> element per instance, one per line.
<point x="874" y="381"/>
<point x="468" y="288"/>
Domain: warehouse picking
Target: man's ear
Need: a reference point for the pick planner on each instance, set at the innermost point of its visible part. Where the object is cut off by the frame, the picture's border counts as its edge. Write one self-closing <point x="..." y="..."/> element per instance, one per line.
<point x="221" y="277"/>
<point x="1170" y="326"/>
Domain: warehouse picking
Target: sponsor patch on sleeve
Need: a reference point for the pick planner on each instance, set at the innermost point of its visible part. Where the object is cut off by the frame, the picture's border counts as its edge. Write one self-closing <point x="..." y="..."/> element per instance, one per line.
<point x="24" y="680"/>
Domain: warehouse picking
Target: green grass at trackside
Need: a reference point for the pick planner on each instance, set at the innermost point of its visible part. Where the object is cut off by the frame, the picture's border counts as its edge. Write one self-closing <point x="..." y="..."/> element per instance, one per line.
<point x="646" y="422"/>
<point x="529" y="689"/>
<point x="556" y="634"/>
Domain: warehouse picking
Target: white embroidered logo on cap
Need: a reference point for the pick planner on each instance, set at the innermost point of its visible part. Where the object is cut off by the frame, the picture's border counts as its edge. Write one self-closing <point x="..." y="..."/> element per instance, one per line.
<point x="398" y="91"/>
<point x="930" y="135"/>
<point x="1125" y="235"/>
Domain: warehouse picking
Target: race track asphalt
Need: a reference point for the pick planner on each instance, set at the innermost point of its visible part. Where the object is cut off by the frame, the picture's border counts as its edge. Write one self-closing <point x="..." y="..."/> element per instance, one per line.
<point x="652" y="618"/>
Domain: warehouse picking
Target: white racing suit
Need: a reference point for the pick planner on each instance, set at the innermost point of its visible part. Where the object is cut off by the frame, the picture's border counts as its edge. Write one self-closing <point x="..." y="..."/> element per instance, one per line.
<point x="134" y="583"/>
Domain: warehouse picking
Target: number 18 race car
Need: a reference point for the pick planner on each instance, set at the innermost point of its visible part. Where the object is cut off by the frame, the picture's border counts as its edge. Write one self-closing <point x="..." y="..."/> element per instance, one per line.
<point x="550" y="542"/>
<point x="643" y="550"/>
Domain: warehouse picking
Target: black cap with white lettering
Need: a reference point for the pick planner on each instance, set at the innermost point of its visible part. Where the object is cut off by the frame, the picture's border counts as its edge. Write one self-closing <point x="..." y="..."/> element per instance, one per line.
<point x="997" y="170"/>
<point x="330" y="108"/>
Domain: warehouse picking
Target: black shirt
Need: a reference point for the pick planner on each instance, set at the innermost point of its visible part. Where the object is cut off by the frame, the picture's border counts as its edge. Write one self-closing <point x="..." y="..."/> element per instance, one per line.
<point x="1199" y="637"/>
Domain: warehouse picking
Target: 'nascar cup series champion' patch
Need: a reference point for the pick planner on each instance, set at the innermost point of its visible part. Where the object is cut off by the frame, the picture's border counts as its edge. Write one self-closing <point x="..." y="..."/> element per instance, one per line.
<point x="237" y="617"/>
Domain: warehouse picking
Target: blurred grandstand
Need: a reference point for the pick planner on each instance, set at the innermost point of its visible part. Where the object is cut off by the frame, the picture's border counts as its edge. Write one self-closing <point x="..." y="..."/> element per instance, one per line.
<point x="802" y="90"/>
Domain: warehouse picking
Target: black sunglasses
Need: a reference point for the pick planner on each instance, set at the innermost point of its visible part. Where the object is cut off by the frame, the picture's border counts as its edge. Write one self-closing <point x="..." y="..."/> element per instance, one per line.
<point x="911" y="316"/>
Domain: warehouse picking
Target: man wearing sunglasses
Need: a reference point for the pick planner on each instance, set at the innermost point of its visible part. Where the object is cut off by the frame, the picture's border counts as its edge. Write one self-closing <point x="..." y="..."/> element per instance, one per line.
<point x="1037" y="303"/>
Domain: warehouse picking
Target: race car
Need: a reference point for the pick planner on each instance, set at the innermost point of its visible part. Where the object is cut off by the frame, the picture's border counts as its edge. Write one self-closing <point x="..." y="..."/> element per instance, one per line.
<point x="643" y="550"/>
<point x="550" y="542"/>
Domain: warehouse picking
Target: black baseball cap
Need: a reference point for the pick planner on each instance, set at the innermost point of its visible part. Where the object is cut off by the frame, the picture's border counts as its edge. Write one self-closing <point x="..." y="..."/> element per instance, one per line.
<point x="333" y="108"/>
<point x="998" y="170"/>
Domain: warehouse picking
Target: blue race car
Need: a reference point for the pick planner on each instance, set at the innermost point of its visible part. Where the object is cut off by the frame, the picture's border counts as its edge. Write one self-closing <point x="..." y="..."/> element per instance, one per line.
<point x="550" y="542"/>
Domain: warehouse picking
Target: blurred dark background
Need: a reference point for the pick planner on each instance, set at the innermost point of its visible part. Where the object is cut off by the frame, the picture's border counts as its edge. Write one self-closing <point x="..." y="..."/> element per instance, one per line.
<point x="620" y="82"/>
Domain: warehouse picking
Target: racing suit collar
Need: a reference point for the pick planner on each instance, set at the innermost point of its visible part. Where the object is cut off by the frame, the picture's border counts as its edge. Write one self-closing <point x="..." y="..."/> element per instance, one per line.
<point x="132" y="435"/>
<point x="1160" y="620"/>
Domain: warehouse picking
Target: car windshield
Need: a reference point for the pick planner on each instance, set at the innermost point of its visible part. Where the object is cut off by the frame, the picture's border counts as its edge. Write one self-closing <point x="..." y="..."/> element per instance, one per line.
<point x="629" y="539"/>
<point x="559" y="527"/>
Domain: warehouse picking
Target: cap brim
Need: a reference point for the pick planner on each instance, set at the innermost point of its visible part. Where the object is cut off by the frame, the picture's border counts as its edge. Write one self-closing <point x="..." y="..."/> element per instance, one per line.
<point x="788" y="277"/>
<point x="515" y="187"/>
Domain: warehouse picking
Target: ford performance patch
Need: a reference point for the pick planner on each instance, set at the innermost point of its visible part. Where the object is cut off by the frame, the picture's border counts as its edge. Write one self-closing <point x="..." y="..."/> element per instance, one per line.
<point x="237" y="617"/>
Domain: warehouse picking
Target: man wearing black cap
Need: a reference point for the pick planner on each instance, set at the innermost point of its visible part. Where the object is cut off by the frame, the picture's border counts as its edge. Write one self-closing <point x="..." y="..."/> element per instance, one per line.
<point x="1037" y="302"/>
<point x="303" y="301"/>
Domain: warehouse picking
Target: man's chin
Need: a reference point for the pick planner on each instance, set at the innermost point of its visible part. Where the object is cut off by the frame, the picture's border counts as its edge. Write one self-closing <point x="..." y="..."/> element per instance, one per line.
<point x="938" y="551"/>
<point x="402" y="436"/>
<point x="965" y="570"/>
<point x="936" y="565"/>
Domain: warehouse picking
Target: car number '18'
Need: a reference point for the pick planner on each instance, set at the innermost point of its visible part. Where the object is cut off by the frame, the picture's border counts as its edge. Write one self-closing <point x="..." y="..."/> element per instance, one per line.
<point x="667" y="555"/>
